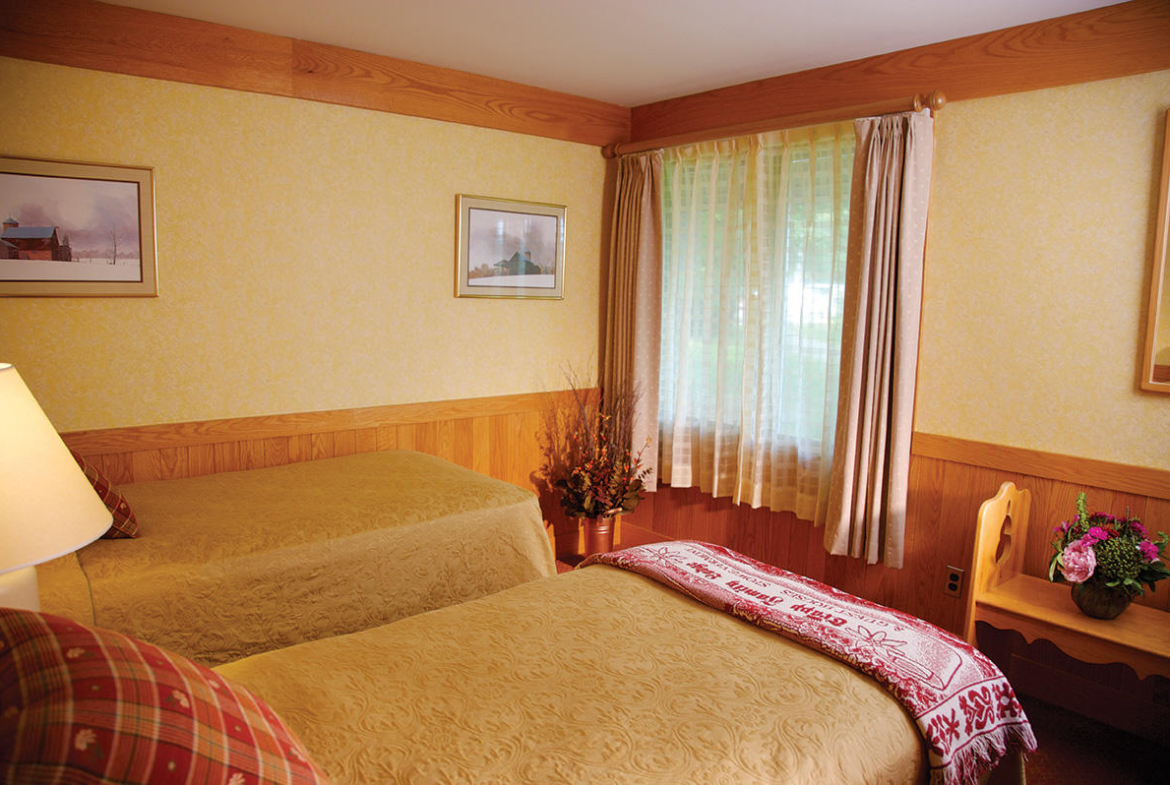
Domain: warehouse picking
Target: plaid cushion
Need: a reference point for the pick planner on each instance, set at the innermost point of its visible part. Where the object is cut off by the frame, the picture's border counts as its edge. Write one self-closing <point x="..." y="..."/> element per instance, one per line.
<point x="124" y="523"/>
<point x="85" y="705"/>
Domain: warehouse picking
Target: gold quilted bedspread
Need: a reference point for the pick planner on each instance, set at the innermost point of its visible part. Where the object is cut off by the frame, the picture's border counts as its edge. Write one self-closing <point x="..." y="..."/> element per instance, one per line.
<point x="595" y="676"/>
<point x="234" y="564"/>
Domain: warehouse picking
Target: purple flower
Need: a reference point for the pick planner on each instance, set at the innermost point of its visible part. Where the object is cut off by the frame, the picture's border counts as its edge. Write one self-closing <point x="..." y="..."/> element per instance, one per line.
<point x="1078" y="561"/>
<point x="1137" y="527"/>
<point x="1149" y="550"/>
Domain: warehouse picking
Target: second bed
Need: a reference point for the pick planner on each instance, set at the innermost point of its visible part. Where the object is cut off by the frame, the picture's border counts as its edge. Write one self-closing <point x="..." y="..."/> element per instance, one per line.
<point x="233" y="564"/>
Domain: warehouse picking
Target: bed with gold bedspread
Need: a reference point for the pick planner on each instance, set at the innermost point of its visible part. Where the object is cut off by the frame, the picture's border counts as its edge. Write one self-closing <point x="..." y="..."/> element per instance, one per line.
<point x="594" y="676"/>
<point x="634" y="670"/>
<point x="233" y="564"/>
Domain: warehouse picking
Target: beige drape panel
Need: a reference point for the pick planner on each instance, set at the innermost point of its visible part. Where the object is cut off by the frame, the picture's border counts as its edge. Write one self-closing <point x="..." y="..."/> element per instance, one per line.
<point x="634" y="298"/>
<point x="879" y="343"/>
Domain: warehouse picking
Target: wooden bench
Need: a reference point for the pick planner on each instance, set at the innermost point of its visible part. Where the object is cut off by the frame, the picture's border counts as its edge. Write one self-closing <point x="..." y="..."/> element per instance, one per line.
<point x="1002" y="596"/>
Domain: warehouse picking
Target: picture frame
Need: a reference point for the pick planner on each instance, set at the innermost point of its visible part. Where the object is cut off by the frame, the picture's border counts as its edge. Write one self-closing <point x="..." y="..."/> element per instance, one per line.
<point x="75" y="229"/>
<point x="509" y="248"/>
<point x="1156" y="354"/>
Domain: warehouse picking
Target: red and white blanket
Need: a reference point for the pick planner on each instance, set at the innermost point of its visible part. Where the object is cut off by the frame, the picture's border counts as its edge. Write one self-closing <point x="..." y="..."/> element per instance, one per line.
<point x="963" y="705"/>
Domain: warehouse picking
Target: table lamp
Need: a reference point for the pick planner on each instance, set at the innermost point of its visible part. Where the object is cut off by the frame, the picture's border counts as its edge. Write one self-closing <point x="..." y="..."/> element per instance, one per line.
<point x="47" y="506"/>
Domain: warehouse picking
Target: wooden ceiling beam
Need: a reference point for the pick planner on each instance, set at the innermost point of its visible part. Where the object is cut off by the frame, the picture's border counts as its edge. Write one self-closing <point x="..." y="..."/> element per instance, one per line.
<point x="1104" y="43"/>
<point x="107" y="37"/>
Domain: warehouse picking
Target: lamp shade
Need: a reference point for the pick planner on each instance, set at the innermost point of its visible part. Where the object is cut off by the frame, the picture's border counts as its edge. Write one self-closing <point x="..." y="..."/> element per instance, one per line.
<point x="47" y="506"/>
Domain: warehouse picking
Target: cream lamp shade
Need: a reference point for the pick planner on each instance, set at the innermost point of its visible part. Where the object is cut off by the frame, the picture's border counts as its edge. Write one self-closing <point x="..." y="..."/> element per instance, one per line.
<point x="47" y="506"/>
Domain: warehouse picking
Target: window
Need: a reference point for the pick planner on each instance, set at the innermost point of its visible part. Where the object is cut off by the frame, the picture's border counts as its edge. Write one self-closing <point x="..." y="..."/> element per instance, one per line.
<point x="754" y="245"/>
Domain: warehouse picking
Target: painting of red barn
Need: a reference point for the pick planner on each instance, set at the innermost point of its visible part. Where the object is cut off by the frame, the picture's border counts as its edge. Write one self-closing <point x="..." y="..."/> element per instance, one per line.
<point x="76" y="229"/>
<point x="509" y="248"/>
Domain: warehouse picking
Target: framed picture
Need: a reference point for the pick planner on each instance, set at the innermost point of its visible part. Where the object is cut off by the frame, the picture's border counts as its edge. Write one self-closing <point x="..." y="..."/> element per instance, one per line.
<point x="1156" y="358"/>
<point x="74" y="229"/>
<point x="507" y="248"/>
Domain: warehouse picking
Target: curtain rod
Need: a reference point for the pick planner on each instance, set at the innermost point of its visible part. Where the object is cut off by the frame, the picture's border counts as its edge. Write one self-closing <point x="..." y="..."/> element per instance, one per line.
<point x="933" y="101"/>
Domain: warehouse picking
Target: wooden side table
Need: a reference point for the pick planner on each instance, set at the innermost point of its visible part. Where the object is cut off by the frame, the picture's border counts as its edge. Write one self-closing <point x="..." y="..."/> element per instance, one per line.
<point x="1005" y="598"/>
<point x="1037" y="608"/>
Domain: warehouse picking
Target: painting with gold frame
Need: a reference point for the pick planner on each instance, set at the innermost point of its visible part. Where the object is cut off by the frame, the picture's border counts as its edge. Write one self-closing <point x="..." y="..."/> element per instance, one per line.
<point x="76" y="229"/>
<point x="509" y="248"/>
<point x="1156" y="360"/>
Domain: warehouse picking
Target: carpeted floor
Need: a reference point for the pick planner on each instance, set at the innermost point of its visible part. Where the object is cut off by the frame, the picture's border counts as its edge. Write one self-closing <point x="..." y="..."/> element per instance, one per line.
<point x="1073" y="749"/>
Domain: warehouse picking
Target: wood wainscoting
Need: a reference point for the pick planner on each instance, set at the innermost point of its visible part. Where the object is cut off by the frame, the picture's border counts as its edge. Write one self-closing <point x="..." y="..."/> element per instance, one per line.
<point x="949" y="479"/>
<point x="496" y="436"/>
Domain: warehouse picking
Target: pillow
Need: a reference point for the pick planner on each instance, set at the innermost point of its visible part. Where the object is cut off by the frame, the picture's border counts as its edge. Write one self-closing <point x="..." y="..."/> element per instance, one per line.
<point x="124" y="523"/>
<point x="80" y="704"/>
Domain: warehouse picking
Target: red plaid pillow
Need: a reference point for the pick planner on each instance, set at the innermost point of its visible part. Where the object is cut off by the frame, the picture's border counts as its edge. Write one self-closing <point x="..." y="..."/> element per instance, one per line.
<point x="124" y="523"/>
<point x="85" y="705"/>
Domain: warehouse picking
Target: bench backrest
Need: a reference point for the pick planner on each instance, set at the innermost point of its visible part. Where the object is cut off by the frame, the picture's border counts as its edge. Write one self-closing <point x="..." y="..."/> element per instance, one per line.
<point x="1001" y="533"/>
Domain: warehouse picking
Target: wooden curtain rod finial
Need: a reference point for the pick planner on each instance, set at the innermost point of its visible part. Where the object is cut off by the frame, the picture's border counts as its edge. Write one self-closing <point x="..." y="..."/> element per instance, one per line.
<point x="610" y="150"/>
<point x="933" y="101"/>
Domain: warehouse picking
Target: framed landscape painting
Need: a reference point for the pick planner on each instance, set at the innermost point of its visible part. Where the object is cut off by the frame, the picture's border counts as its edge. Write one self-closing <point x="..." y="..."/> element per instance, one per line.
<point x="76" y="229"/>
<point x="508" y="248"/>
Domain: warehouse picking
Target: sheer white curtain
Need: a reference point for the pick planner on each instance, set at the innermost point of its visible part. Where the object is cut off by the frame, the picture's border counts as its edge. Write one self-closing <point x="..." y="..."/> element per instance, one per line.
<point x="754" y="250"/>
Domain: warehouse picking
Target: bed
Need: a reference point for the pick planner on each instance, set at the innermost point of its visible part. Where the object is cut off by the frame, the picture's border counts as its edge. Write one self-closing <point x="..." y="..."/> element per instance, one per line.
<point x="603" y="675"/>
<point x="598" y="675"/>
<point x="232" y="564"/>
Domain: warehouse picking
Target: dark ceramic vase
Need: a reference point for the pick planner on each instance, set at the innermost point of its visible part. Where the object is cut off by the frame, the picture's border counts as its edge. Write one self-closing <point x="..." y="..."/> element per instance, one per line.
<point x="1100" y="602"/>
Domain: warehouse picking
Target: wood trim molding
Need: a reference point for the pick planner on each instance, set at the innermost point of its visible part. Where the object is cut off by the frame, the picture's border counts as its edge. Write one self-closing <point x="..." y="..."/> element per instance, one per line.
<point x="1104" y="43"/>
<point x="104" y="37"/>
<point x="123" y="40"/>
<point x="1141" y="480"/>
<point x="155" y="437"/>
<point x="351" y="78"/>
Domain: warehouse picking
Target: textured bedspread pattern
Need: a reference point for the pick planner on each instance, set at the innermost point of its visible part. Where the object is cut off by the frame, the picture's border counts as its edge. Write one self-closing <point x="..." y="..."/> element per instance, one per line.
<point x="233" y="564"/>
<point x="962" y="704"/>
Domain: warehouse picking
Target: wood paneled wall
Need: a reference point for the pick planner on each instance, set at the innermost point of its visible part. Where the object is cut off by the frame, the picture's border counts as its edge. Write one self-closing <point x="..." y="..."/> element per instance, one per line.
<point x="494" y="436"/>
<point x="497" y="436"/>
<point x="949" y="479"/>
<point x="107" y="37"/>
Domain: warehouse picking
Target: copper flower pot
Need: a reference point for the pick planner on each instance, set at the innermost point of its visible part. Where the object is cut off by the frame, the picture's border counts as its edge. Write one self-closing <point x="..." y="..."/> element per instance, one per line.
<point x="598" y="535"/>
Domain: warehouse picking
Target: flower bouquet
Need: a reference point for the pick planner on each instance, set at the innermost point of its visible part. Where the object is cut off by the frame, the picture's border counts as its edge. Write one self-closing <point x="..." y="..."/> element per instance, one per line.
<point x="1108" y="559"/>
<point x="588" y="455"/>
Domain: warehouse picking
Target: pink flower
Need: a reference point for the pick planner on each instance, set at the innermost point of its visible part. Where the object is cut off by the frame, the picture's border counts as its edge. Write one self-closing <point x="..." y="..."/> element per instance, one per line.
<point x="1060" y="528"/>
<point x="1137" y="527"/>
<point x="1096" y="534"/>
<point x="1078" y="560"/>
<point x="1149" y="550"/>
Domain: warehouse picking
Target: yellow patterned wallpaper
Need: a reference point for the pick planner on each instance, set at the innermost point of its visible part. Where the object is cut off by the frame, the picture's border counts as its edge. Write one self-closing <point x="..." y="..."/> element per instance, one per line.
<point x="305" y="255"/>
<point x="306" y="261"/>
<point x="1038" y="257"/>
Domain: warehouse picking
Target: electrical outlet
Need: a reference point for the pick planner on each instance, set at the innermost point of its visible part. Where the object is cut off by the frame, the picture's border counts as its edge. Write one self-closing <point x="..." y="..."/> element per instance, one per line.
<point x="953" y="581"/>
